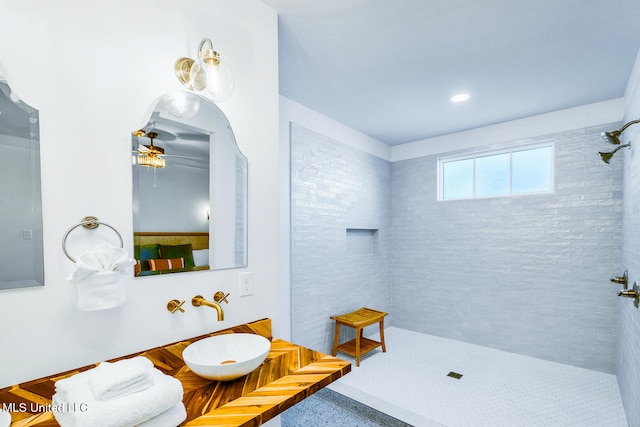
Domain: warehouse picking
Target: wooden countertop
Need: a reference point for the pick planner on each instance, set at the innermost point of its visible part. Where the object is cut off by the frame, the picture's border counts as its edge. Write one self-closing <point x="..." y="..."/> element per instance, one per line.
<point x="289" y="374"/>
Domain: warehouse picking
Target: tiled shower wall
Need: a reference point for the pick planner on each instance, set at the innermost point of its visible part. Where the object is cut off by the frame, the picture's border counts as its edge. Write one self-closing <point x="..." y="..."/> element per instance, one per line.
<point x="340" y="220"/>
<point x="628" y="360"/>
<point x="526" y="274"/>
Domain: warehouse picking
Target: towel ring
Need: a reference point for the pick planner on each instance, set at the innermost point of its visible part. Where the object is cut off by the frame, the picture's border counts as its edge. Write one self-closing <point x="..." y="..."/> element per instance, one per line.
<point x="89" y="222"/>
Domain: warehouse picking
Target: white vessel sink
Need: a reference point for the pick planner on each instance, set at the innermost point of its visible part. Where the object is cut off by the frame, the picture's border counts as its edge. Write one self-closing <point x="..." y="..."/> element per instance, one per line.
<point x="226" y="357"/>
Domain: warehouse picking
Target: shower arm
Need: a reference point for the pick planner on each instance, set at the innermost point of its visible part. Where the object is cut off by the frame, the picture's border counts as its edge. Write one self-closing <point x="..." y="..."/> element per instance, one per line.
<point x="606" y="157"/>
<point x="632" y="122"/>
<point x="612" y="136"/>
<point x="620" y="147"/>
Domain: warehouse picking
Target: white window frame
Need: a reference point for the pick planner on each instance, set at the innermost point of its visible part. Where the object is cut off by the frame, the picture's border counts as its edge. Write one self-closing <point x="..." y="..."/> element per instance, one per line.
<point x="487" y="153"/>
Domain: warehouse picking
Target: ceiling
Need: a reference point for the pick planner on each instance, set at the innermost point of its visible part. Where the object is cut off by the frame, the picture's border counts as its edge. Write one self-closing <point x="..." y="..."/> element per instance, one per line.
<point x="389" y="67"/>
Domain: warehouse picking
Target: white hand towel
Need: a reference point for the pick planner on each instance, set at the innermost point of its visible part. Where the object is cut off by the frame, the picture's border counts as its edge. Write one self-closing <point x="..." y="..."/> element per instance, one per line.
<point x="112" y="380"/>
<point x="74" y="404"/>
<point x="98" y="277"/>
<point x="170" y="418"/>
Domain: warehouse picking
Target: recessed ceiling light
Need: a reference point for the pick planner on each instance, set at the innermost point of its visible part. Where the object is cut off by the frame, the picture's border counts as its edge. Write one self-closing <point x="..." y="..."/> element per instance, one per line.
<point x="461" y="97"/>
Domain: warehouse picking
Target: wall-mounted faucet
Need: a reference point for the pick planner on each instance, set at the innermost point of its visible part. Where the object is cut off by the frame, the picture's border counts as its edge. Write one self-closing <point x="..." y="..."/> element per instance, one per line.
<point x="218" y="298"/>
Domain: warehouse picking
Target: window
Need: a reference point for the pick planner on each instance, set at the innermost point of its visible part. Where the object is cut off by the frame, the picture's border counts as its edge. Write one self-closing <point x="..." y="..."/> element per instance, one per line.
<point x="500" y="173"/>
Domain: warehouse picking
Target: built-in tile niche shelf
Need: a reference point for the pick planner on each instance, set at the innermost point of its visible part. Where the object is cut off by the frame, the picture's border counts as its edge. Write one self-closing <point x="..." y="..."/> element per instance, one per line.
<point x="362" y="242"/>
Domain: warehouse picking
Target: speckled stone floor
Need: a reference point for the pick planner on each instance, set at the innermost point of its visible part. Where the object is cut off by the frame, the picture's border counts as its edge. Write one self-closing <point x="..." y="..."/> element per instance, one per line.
<point x="330" y="409"/>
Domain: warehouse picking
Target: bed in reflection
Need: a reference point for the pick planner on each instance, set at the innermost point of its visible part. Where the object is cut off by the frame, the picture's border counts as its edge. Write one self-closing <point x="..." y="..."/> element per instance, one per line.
<point x="170" y="252"/>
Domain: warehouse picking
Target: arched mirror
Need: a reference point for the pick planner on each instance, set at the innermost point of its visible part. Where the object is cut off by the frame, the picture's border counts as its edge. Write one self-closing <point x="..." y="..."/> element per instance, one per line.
<point x="21" y="251"/>
<point x="189" y="189"/>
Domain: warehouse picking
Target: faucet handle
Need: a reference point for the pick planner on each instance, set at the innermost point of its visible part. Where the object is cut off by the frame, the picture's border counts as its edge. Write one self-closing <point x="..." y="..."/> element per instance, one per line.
<point x="623" y="280"/>
<point x="633" y="293"/>
<point x="220" y="296"/>
<point x="175" y="305"/>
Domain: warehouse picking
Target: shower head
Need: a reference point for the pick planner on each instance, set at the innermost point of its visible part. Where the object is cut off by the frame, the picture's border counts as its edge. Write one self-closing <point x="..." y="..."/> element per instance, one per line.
<point x="614" y="136"/>
<point x="607" y="156"/>
<point x="611" y="137"/>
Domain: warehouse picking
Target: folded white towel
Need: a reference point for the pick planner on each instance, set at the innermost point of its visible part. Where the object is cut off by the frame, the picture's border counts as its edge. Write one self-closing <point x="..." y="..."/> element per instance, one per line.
<point x="74" y="404"/>
<point x="170" y="418"/>
<point x="5" y="419"/>
<point x="112" y="380"/>
<point x="98" y="277"/>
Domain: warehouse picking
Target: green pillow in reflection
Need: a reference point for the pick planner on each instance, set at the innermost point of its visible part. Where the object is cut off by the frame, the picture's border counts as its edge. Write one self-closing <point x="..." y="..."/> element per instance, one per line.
<point x="178" y="251"/>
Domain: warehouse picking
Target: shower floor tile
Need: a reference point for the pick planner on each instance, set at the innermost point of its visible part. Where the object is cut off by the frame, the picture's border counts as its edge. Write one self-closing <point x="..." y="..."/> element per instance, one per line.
<point x="497" y="388"/>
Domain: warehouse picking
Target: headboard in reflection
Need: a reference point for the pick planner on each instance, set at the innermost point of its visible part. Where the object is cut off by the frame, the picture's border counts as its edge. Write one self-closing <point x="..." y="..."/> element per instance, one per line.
<point x="21" y="251"/>
<point x="189" y="189"/>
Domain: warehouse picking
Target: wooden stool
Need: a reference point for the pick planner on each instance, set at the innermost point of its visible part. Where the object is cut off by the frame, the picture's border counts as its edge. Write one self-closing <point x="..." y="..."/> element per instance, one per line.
<point x="358" y="320"/>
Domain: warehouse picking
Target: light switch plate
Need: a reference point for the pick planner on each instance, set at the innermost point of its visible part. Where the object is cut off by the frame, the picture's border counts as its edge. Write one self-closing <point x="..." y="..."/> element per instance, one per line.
<point x="246" y="284"/>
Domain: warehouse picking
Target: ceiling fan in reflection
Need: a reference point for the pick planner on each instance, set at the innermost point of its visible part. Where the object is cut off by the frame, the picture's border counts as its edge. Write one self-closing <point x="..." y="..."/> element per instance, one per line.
<point x="151" y="155"/>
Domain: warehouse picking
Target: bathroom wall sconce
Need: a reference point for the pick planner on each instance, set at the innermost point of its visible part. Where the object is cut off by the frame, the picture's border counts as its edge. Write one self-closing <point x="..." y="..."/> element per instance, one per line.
<point x="613" y="137"/>
<point x="207" y="75"/>
<point x="606" y="157"/>
<point x="633" y="293"/>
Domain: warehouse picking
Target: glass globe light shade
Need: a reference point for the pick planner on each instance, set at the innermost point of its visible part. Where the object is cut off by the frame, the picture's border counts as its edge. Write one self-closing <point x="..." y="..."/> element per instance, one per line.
<point x="220" y="82"/>
<point x="211" y="78"/>
<point x="181" y="104"/>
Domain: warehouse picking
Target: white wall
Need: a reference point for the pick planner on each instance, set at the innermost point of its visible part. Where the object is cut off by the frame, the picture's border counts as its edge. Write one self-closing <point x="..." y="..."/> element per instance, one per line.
<point x="293" y="112"/>
<point x="628" y="327"/>
<point x="92" y="69"/>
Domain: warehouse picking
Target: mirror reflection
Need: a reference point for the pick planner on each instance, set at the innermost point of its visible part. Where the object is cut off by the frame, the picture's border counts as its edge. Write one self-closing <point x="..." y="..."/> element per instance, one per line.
<point x="21" y="252"/>
<point x="189" y="189"/>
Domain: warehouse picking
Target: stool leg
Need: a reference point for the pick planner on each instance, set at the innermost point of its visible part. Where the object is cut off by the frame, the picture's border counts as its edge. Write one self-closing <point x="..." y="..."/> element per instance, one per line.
<point x="336" y="340"/>
<point x="384" y="349"/>
<point x="358" y="340"/>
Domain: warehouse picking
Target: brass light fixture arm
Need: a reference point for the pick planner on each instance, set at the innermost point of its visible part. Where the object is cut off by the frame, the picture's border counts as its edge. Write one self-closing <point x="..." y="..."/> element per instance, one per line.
<point x="207" y="54"/>
<point x="202" y="43"/>
<point x="182" y="67"/>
